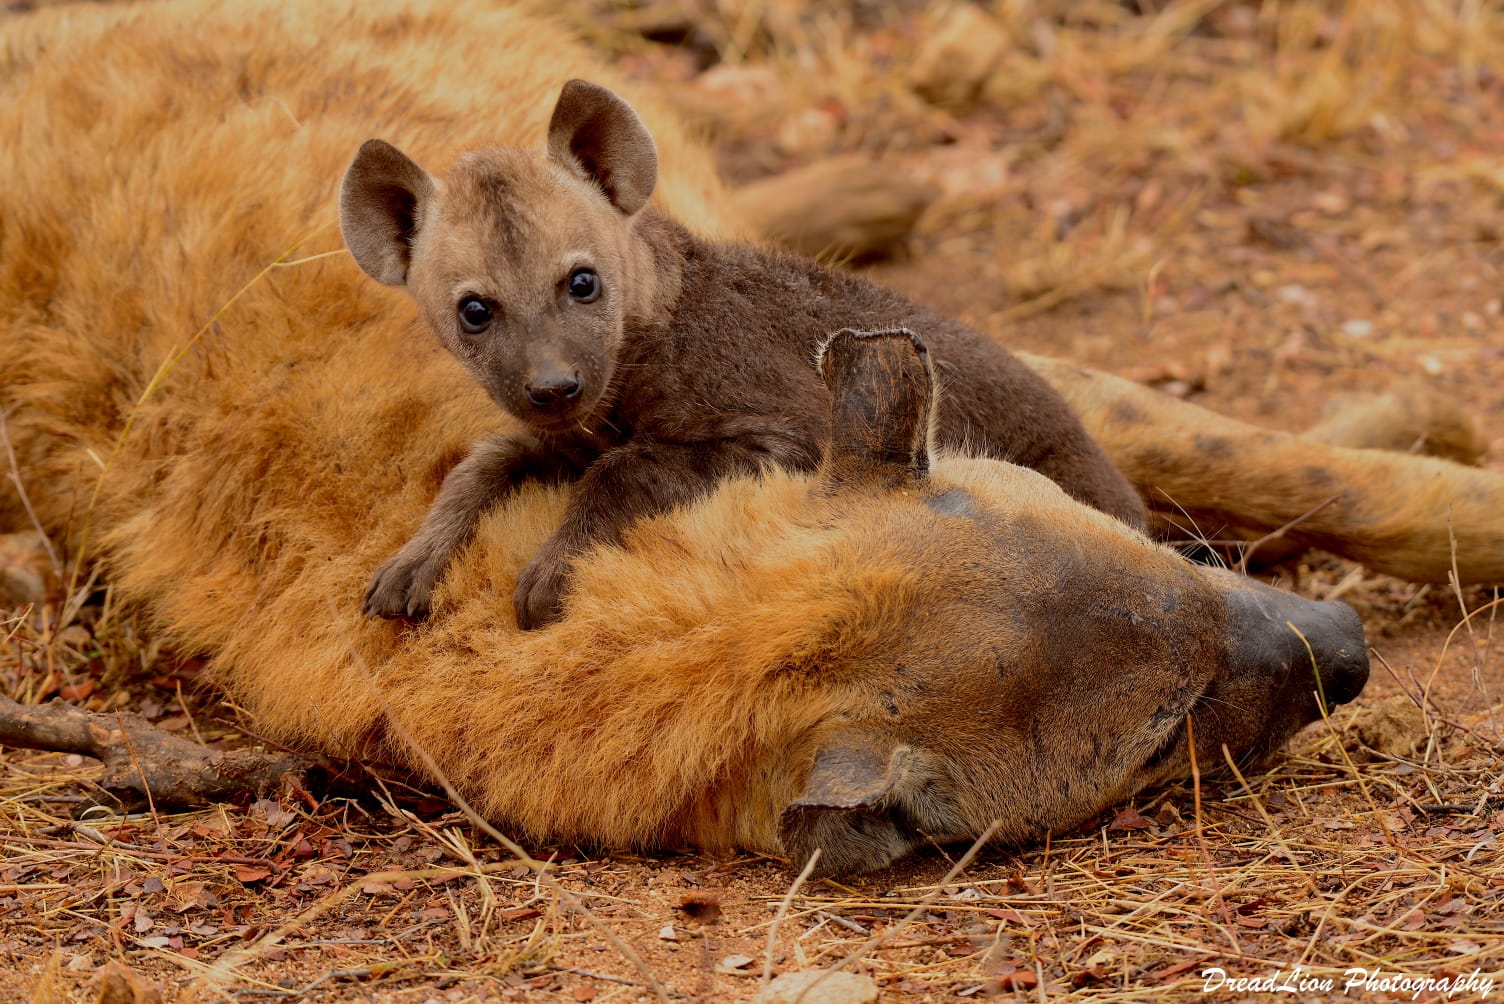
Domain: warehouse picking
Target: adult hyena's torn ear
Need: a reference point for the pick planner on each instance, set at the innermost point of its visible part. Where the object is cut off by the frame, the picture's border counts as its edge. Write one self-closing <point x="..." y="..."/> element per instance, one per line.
<point x="851" y="806"/>
<point x="882" y="389"/>
<point x="598" y="133"/>
<point x="381" y="206"/>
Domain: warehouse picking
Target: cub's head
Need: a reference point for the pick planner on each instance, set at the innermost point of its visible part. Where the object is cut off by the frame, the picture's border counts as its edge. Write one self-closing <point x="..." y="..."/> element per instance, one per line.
<point x="524" y="266"/>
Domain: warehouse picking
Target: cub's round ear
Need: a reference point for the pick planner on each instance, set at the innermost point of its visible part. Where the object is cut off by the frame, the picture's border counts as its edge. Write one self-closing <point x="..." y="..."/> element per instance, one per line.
<point x="381" y="205"/>
<point x="597" y="133"/>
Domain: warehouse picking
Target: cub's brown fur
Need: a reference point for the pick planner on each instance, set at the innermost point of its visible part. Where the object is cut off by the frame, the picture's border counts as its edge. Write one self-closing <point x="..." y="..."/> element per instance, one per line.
<point x="849" y="659"/>
<point x="685" y="362"/>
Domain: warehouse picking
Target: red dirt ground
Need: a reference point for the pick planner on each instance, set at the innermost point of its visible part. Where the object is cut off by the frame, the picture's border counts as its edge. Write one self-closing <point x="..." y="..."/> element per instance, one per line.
<point x="1227" y="212"/>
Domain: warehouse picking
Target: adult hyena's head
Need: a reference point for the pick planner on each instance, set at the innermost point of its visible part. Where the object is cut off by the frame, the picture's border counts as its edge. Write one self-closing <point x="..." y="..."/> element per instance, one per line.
<point x="1028" y="661"/>
<point x="523" y="265"/>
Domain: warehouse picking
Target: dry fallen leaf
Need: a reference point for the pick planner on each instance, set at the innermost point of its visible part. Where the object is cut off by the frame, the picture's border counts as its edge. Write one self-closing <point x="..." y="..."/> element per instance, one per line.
<point x="734" y="965"/>
<point x="118" y="984"/>
<point x="1128" y="818"/>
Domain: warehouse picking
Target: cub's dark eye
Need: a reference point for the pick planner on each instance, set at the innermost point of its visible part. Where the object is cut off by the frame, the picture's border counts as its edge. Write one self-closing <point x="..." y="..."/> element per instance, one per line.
<point x="475" y="315"/>
<point x="584" y="285"/>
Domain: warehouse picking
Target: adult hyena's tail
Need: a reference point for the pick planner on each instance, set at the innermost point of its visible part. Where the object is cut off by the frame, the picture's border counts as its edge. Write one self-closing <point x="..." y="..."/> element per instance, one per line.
<point x="1396" y="513"/>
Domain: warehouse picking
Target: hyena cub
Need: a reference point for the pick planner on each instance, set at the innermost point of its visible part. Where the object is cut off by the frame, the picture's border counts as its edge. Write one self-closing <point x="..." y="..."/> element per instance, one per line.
<point x="647" y="363"/>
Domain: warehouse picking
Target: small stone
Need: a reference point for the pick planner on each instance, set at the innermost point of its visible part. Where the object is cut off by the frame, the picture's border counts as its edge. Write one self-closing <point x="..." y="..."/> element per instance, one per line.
<point x="831" y="988"/>
<point x="1332" y="203"/>
<point x="807" y="132"/>
<point x="1357" y="327"/>
<point x="1295" y="293"/>
<point x="734" y="965"/>
<point x="667" y="933"/>
<point x="730" y="97"/>
<point x="954" y="62"/>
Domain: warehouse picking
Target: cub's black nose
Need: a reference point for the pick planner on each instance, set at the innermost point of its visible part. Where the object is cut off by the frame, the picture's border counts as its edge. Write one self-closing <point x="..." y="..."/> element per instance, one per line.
<point x="550" y="393"/>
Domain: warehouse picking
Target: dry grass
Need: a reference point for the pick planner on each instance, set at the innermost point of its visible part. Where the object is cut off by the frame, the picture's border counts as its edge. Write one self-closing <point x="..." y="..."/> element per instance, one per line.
<point x="1220" y="191"/>
<point x="1339" y="856"/>
<point x="1090" y="98"/>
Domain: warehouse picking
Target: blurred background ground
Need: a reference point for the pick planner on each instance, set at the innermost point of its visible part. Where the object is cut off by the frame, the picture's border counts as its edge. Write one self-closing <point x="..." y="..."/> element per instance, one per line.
<point x="1254" y="206"/>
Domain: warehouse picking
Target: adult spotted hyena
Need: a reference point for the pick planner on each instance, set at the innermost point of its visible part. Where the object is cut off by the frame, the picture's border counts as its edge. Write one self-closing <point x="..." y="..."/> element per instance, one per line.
<point x="213" y="401"/>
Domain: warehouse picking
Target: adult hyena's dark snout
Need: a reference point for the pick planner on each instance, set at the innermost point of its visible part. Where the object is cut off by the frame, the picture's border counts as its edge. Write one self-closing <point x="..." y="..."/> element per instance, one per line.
<point x="1307" y="645"/>
<point x="1340" y="649"/>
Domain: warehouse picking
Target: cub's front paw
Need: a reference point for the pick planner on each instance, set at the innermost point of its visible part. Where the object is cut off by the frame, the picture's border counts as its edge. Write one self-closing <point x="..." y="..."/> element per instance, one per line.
<point x="402" y="587"/>
<point x="539" y="599"/>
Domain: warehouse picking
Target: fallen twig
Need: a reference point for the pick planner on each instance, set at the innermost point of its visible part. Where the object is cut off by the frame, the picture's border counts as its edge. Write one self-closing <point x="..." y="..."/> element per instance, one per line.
<point x="143" y="764"/>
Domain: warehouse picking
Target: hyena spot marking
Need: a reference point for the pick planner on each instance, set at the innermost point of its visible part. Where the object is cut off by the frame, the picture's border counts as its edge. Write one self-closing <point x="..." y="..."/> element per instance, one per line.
<point x="953" y="502"/>
<point x="1127" y="412"/>
<point x="1156" y="458"/>
<point x="1318" y="477"/>
<point x="1214" y="446"/>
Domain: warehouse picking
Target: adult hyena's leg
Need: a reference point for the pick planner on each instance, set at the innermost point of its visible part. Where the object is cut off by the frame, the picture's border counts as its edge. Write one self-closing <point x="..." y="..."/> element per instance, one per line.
<point x="1395" y="513"/>
<point x="1409" y="417"/>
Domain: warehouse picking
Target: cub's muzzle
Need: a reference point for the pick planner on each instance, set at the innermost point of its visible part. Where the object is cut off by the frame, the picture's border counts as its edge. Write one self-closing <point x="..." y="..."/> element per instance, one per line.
<point x="552" y="392"/>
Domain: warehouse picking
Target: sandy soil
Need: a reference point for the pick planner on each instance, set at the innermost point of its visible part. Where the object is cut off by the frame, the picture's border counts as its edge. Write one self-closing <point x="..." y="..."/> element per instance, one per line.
<point x="1218" y="206"/>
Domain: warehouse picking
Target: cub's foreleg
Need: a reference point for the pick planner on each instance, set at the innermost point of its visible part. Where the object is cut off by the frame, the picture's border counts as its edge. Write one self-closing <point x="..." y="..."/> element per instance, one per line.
<point x="642" y="478"/>
<point x="404" y="585"/>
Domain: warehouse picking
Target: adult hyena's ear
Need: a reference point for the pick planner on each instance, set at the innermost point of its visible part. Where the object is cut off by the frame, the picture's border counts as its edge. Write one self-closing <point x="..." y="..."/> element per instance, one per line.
<point x="854" y="806"/>
<point x="595" y="132"/>
<point x="882" y="388"/>
<point x="381" y="206"/>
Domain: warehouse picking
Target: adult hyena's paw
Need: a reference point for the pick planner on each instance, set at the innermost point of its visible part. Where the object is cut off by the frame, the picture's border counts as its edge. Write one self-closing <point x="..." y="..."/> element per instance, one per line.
<point x="539" y="599"/>
<point x="402" y="587"/>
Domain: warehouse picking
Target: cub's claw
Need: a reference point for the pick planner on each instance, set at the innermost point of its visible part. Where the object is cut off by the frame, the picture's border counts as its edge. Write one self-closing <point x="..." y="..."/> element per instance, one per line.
<point x="402" y="587"/>
<point x="539" y="599"/>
